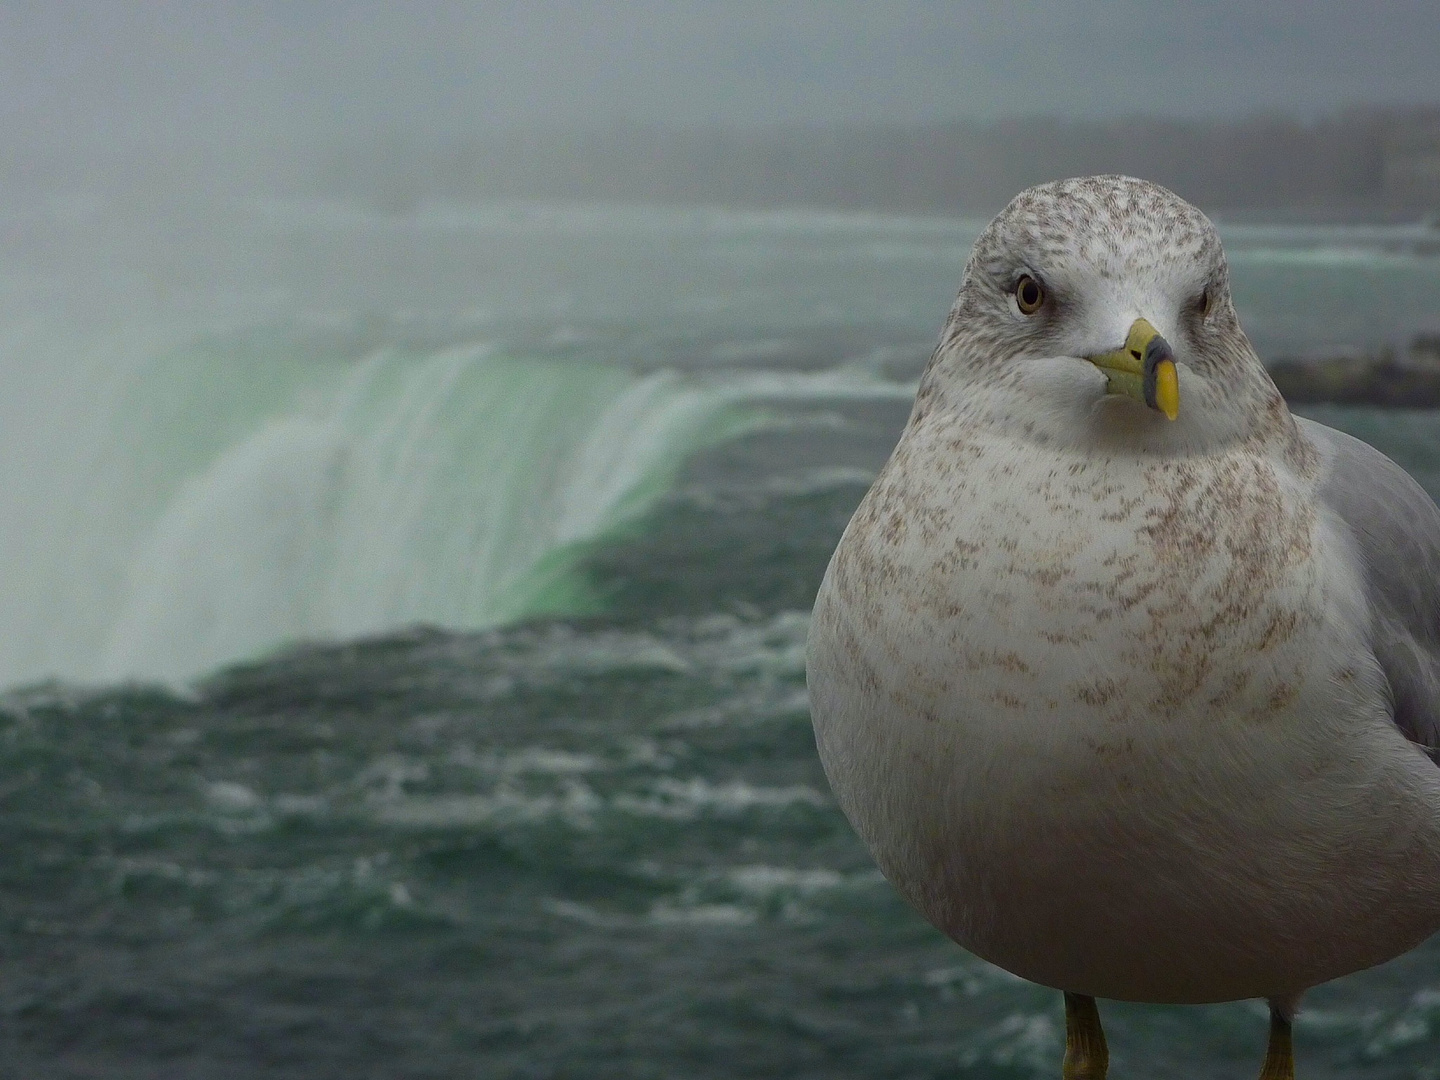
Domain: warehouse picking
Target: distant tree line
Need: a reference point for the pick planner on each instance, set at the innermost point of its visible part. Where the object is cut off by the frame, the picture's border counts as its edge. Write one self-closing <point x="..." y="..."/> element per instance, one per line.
<point x="1270" y="164"/>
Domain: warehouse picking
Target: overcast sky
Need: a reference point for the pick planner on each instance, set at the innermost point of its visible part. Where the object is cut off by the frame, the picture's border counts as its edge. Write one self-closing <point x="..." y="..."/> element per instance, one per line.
<point x="148" y="69"/>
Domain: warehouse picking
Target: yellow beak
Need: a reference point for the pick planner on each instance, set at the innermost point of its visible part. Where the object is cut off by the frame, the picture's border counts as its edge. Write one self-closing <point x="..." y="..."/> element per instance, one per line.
<point x="1144" y="369"/>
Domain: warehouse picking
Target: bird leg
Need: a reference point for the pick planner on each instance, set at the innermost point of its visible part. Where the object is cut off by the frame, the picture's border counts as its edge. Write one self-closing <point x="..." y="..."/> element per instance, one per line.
<point x="1086" y="1056"/>
<point x="1279" y="1056"/>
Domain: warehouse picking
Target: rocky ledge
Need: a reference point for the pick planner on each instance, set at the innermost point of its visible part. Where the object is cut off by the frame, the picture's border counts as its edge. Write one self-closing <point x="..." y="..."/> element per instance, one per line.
<point x="1394" y="378"/>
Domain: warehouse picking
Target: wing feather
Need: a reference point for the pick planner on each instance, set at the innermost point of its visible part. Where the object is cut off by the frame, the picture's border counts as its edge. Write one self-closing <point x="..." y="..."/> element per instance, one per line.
<point x="1396" y="529"/>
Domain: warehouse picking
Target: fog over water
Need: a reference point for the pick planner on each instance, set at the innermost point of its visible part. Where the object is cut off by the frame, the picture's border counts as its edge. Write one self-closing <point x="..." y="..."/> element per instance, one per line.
<point x="246" y="72"/>
<point x="169" y="97"/>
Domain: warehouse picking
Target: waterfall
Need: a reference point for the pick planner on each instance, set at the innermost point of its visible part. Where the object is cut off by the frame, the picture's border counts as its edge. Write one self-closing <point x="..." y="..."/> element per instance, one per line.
<point x="168" y="514"/>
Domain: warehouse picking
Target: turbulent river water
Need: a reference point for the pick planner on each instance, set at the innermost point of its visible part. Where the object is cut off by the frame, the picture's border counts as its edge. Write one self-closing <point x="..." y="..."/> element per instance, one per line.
<point x="403" y="627"/>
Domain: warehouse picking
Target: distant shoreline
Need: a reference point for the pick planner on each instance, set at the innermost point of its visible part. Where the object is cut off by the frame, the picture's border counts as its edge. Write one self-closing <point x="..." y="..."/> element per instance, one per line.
<point x="1389" y="378"/>
<point x="1360" y="165"/>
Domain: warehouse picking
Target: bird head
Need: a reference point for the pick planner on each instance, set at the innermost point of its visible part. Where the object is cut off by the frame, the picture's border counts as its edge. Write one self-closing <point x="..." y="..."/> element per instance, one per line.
<point x="1098" y="309"/>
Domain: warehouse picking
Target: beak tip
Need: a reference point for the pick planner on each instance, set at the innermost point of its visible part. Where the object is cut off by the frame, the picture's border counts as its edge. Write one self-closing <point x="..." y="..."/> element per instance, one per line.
<point x="1167" y="389"/>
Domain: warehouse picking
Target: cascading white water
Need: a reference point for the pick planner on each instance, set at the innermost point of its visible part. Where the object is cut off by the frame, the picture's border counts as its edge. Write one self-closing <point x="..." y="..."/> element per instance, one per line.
<point x="205" y="507"/>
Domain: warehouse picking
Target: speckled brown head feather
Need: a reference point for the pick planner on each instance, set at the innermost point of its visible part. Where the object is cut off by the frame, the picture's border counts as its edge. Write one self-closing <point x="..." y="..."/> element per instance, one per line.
<point x="1107" y="249"/>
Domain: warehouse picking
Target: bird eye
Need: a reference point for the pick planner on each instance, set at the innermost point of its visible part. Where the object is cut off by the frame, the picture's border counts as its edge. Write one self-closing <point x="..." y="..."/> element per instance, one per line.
<point x="1028" y="294"/>
<point x="1206" y="301"/>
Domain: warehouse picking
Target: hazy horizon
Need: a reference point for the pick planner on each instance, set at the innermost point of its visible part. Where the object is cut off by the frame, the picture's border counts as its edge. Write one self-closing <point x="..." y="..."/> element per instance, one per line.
<point x="90" y="75"/>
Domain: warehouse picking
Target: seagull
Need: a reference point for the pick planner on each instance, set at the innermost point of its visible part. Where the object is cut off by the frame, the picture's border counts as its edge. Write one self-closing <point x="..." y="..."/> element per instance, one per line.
<point x="1128" y="678"/>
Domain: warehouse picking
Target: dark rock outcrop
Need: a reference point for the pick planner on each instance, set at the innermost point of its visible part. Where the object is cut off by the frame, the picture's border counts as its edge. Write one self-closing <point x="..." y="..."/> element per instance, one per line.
<point x="1390" y="377"/>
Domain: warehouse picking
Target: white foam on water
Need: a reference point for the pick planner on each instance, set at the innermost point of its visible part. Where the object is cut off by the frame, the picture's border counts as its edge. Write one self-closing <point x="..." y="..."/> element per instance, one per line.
<point x="721" y="644"/>
<point x="1415" y="1023"/>
<point x="572" y="801"/>
<point x="769" y="880"/>
<point x="1030" y="1041"/>
<point x="576" y="805"/>
<point x="664" y="913"/>
<point x="540" y="761"/>
<point x="971" y="979"/>
<point x="686" y="800"/>
<point x="228" y="796"/>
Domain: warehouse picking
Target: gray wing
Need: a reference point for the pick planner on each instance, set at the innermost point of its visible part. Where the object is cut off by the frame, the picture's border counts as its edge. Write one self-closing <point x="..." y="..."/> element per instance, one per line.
<point x="1396" y="528"/>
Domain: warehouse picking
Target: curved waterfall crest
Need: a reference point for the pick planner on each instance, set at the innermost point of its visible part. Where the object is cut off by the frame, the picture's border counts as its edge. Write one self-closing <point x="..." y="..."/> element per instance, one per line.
<point x="216" y="514"/>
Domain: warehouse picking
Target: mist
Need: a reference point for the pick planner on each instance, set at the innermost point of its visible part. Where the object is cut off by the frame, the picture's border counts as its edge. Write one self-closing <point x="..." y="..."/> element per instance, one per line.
<point x="903" y="105"/>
